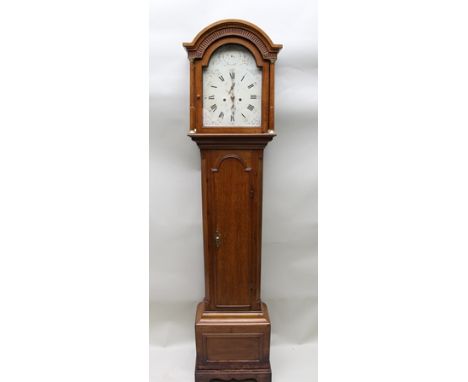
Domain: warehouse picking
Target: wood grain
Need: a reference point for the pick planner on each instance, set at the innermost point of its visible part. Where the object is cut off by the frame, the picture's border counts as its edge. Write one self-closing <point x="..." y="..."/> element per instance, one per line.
<point x="199" y="51"/>
<point x="232" y="326"/>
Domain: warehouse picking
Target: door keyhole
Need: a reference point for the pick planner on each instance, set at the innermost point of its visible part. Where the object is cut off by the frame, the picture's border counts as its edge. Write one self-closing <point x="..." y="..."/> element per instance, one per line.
<point x="217" y="239"/>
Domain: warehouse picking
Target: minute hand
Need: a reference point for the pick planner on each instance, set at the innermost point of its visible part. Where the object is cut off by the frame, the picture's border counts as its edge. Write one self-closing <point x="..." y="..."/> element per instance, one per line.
<point x="233" y="97"/>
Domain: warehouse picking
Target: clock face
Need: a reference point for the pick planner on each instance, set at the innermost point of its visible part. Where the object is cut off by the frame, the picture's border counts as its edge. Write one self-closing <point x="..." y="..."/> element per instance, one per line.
<point x="232" y="89"/>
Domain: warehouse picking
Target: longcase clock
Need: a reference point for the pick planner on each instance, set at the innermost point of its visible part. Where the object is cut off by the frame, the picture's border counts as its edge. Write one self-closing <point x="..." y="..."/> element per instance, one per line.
<point x="232" y="73"/>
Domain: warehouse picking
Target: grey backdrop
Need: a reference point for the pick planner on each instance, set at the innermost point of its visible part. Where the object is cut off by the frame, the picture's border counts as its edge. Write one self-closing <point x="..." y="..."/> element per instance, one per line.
<point x="289" y="274"/>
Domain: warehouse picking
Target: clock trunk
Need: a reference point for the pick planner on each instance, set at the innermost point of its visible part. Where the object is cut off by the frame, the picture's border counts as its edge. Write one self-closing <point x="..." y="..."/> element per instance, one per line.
<point x="233" y="180"/>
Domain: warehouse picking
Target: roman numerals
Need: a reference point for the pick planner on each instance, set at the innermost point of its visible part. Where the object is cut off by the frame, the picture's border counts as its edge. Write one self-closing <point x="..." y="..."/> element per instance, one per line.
<point x="232" y="96"/>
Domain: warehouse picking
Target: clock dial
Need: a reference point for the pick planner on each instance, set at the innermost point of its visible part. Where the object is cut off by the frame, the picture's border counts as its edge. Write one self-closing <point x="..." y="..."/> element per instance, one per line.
<point x="232" y="89"/>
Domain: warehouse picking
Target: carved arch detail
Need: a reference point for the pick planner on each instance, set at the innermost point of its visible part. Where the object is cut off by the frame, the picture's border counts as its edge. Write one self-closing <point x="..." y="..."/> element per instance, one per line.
<point x="229" y="28"/>
<point x="231" y="156"/>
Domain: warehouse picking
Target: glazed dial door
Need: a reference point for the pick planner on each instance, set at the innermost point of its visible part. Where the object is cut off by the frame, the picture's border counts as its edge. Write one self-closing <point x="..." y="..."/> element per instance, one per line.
<point x="232" y="89"/>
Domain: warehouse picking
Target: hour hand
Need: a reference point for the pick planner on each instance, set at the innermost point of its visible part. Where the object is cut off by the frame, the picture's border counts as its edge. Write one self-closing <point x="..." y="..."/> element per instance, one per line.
<point x="231" y="93"/>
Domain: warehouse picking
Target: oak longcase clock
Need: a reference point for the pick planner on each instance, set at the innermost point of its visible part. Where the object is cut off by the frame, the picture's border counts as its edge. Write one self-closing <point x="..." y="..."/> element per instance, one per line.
<point x="232" y="73"/>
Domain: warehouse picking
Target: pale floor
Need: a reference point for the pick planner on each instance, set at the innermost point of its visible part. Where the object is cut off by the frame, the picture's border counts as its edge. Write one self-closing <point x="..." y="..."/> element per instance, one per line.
<point x="176" y="363"/>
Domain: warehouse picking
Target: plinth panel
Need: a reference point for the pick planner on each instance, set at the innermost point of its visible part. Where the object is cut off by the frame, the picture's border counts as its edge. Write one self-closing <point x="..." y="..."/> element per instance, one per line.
<point x="232" y="347"/>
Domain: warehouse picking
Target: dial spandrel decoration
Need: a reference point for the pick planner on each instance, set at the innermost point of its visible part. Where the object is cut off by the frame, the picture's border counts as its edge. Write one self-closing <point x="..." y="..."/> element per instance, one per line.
<point x="232" y="89"/>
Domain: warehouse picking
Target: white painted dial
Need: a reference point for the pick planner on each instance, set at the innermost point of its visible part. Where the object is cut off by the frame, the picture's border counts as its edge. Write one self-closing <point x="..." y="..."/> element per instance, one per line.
<point x="232" y="89"/>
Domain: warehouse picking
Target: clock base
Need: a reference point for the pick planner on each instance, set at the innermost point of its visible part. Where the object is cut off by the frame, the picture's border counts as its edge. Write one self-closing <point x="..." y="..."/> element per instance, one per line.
<point x="232" y="346"/>
<point x="233" y="375"/>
